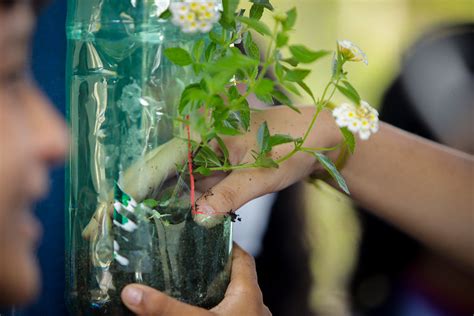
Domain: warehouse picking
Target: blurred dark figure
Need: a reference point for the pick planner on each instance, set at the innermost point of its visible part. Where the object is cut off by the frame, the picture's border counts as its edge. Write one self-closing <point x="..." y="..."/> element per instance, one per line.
<point x="283" y="266"/>
<point x="433" y="97"/>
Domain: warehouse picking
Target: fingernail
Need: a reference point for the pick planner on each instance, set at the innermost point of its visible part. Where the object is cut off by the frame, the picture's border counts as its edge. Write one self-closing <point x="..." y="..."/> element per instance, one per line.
<point x="132" y="295"/>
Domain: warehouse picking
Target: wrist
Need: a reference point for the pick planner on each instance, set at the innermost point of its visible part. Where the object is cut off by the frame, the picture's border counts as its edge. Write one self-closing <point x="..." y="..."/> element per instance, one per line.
<point x="326" y="134"/>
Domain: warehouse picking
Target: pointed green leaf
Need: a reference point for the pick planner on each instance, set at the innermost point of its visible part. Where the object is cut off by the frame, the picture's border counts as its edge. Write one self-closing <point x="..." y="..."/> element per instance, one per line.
<point x="264" y="87"/>
<point x="290" y="20"/>
<point x="295" y="75"/>
<point x="207" y="157"/>
<point x="266" y="162"/>
<point x="349" y="93"/>
<point x="349" y="139"/>
<point x="178" y="56"/>
<point x="228" y="14"/>
<point x="263" y="138"/>
<point x="192" y="96"/>
<point x="256" y="25"/>
<point x="308" y="90"/>
<point x="284" y="100"/>
<point x="203" y="170"/>
<point x="332" y="170"/>
<point x="282" y="39"/>
<point x="279" y="139"/>
<point x="265" y="3"/>
<point x="305" y="55"/>
<point x="198" y="50"/>
<point x="223" y="148"/>
<point x="256" y="11"/>
<point x="291" y="61"/>
<point x="291" y="87"/>
<point x="250" y="47"/>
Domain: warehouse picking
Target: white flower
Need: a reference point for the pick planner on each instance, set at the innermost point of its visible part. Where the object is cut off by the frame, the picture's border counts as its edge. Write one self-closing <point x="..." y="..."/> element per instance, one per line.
<point x="362" y="119"/>
<point x="351" y="51"/>
<point x="194" y="16"/>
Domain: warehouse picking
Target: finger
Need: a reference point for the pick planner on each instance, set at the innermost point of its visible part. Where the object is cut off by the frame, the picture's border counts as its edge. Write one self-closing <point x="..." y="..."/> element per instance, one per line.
<point x="143" y="300"/>
<point x="243" y="293"/>
<point x="203" y="184"/>
<point x="244" y="272"/>
<point x="228" y="195"/>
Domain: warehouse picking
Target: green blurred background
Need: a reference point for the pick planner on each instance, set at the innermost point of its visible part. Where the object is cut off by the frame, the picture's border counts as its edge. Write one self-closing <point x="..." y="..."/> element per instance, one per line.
<point x="384" y="29"/>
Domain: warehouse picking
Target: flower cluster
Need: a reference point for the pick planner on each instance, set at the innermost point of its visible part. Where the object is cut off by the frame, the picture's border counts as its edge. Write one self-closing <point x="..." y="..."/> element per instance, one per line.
<point x="362" y="119"/>
<point x="351" y="52"/>
<point x="195" y="16"/>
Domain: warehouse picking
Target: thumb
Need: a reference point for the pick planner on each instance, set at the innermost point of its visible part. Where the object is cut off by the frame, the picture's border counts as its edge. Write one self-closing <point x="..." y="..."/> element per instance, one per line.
<point x="238" y="188"/>
<point x="143" y="300"/>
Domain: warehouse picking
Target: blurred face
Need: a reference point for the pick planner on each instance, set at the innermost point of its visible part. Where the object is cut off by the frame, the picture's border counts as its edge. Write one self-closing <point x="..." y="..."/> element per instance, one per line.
<point x="32" y="137"/>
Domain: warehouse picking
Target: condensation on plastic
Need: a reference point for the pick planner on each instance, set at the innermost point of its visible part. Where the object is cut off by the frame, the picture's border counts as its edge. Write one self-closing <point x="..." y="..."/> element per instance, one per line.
<point x="122" y="99"/>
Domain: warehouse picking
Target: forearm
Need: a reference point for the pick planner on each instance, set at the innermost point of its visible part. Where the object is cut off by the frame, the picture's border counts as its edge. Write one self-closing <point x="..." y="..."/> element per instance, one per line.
<point x="423" y="188"/>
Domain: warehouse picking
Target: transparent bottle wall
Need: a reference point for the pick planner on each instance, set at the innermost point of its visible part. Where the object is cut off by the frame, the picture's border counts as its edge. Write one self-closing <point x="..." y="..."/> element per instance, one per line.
<point x="122" y="106"/>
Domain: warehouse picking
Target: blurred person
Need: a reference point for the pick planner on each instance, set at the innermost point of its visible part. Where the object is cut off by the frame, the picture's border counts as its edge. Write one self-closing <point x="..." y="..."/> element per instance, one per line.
<point x="36" y="151"/>
<point x="33" y="137"/>
<point x="433" y="98"/>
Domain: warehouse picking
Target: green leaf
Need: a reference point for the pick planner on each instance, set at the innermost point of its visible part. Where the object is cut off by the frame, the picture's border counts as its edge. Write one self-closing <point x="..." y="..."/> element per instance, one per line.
<point x="192" y="96"/>
<point x="284" y="100"/>
<point x="198" y="50"/>
<point x="256" y="11"/>
<point x="349" y="139"/>
<point x="349" y="91"/>
<point x="291" y="87"/>
<point x="265" y="98"/>
<point x="296" y="75"/>
<point x="265" y="3"/>
<point x="279" y="139"/>
<point x="242" y="114"/>
<point x="228" y="15"/>
<point x="305" y="55"/>
<point x="216" y="37"/>
<point x="256" y="25"/>
<point x="223" y="148"/>
<point x="264" y="87"/>
<point x="210" y="50"/>
<point x="263" y="138"/>
<point x="250" y="47"/>
<point x="178" y="56"/>
<point x="332" y="170"/>
<point x="308" y="90"/>
<point x="231" y="63"/>
<point x="266" y="162"/>
<point x="207" y="157"/>
<point x="151" y="203"/>
<point x="279" y="71"/>
<point x="290" y="20"/>
<point x="291" y="61"/>
<point x="232" y="122"/>
<point x="165" y="15"/>
<point x="349" y="94"/>
<point x="203" y="170"/>
<point x="282" y="39"/>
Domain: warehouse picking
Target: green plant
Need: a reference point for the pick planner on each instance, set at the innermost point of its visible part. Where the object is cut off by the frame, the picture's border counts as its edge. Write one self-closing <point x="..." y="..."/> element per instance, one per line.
<point x="217" y="104"/>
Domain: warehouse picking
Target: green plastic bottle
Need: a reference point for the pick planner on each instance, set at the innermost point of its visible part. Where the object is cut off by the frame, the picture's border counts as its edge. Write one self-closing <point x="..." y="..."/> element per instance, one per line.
<point x="122" y="104"/>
